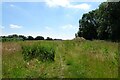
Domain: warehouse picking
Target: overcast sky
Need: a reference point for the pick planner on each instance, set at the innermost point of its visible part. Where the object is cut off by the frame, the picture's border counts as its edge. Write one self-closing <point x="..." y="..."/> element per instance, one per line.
<point x="51" y="18"/>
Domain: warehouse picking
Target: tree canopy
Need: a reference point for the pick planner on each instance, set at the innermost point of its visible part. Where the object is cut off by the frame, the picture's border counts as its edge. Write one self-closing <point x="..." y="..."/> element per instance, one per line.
<point x="39" y="38"/>
<point x="48" y="38"/>
<point x="102" y="23"/>
<point x="16" y="37"/>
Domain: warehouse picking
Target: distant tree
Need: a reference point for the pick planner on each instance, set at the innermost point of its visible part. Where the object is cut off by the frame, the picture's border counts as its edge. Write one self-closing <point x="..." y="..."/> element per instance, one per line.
<point x="23" y="37"/>
<point x="39" y="38"/>
<point x="15" y="36"/>
<point x="30" y="38"/>
<point x="48" y="38"/>
<point x="9" y="36"/>
<point x="58" y="39"/>
<point x="3" y="36"/>
<point x="12" y="36"/>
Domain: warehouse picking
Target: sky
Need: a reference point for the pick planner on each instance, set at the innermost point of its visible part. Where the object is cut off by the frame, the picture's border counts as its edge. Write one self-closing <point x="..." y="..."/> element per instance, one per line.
<point x="50" y="18"/>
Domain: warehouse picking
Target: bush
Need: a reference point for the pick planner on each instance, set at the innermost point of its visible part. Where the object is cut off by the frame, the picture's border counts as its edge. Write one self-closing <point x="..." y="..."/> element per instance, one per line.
<point x="38" y="51"/>
<point x="28" y="52"/>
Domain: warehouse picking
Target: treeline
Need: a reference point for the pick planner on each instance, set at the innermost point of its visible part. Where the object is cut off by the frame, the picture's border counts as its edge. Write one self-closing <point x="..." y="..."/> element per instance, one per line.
<point x="16" y="37"/>
<point x="102" y="23"/>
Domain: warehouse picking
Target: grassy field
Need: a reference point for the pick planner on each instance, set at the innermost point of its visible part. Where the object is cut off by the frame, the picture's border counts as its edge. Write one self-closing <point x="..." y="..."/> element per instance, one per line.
<point x="73" y="59"/>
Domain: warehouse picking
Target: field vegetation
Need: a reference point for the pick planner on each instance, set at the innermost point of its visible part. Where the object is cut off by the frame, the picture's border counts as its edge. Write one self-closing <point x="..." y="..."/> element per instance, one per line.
<point x="65" y="59"/>
<point x="86" y="56"/>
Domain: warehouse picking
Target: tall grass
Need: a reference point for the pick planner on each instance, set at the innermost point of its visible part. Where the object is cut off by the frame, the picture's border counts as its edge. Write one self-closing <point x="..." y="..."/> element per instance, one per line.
<point x="38" y="51"/>
<point x="60" y="59"/>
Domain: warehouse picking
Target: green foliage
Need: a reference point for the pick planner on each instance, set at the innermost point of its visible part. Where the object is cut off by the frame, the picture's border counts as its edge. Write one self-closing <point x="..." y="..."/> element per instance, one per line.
<point x="39" y="38"/>
<point x="45" y="53"/>
<point x="11" y="39"/>
<point x="16" y="37"/>
<point x="30" y="38"/>
<point x="41" y="52"/>
<point x="23" y="37"/>
<point x="28" y="52"/>
<point x="88" y="26"/>
<point x="48" y="38"/>
<point x="113" y="11"/>
<point x="102" y="23"/>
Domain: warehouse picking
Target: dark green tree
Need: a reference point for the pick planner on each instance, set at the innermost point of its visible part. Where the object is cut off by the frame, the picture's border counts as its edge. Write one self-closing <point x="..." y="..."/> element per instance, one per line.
<point x="88" y="26"/>
<point x="113" y="12"/>
<point x="23" y="37"/>
<point x="102" y="23"/>
<point x="30" y="38"/>
<point x="39" y="38"/>
<point x="48" y="38"/>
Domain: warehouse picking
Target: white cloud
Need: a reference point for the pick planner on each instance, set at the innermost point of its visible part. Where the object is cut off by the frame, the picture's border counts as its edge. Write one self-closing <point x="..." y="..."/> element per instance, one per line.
<point x="83" y="6"/>
<point x="13" y="26"/>
<point x="55" y="3"/>
<point x="67" y="4"/>
<point x="68" y="26"/>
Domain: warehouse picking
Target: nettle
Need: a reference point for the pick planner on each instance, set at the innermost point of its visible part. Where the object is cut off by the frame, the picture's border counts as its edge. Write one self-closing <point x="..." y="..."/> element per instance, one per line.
<point x="38" y="51"/>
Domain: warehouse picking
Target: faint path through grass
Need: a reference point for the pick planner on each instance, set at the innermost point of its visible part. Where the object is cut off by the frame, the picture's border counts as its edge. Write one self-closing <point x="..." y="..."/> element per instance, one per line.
<point x="62" y="65"/>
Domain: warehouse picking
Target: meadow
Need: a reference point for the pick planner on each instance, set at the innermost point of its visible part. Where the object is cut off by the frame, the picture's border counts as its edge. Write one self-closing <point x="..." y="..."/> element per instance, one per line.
<point x="72" y="59"/>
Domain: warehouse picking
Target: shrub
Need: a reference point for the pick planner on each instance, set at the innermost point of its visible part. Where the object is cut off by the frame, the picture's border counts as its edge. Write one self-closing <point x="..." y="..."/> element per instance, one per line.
<point x="45" y="53"/>
<point x="28" y="52"/>
<point x="38" y="51"/>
